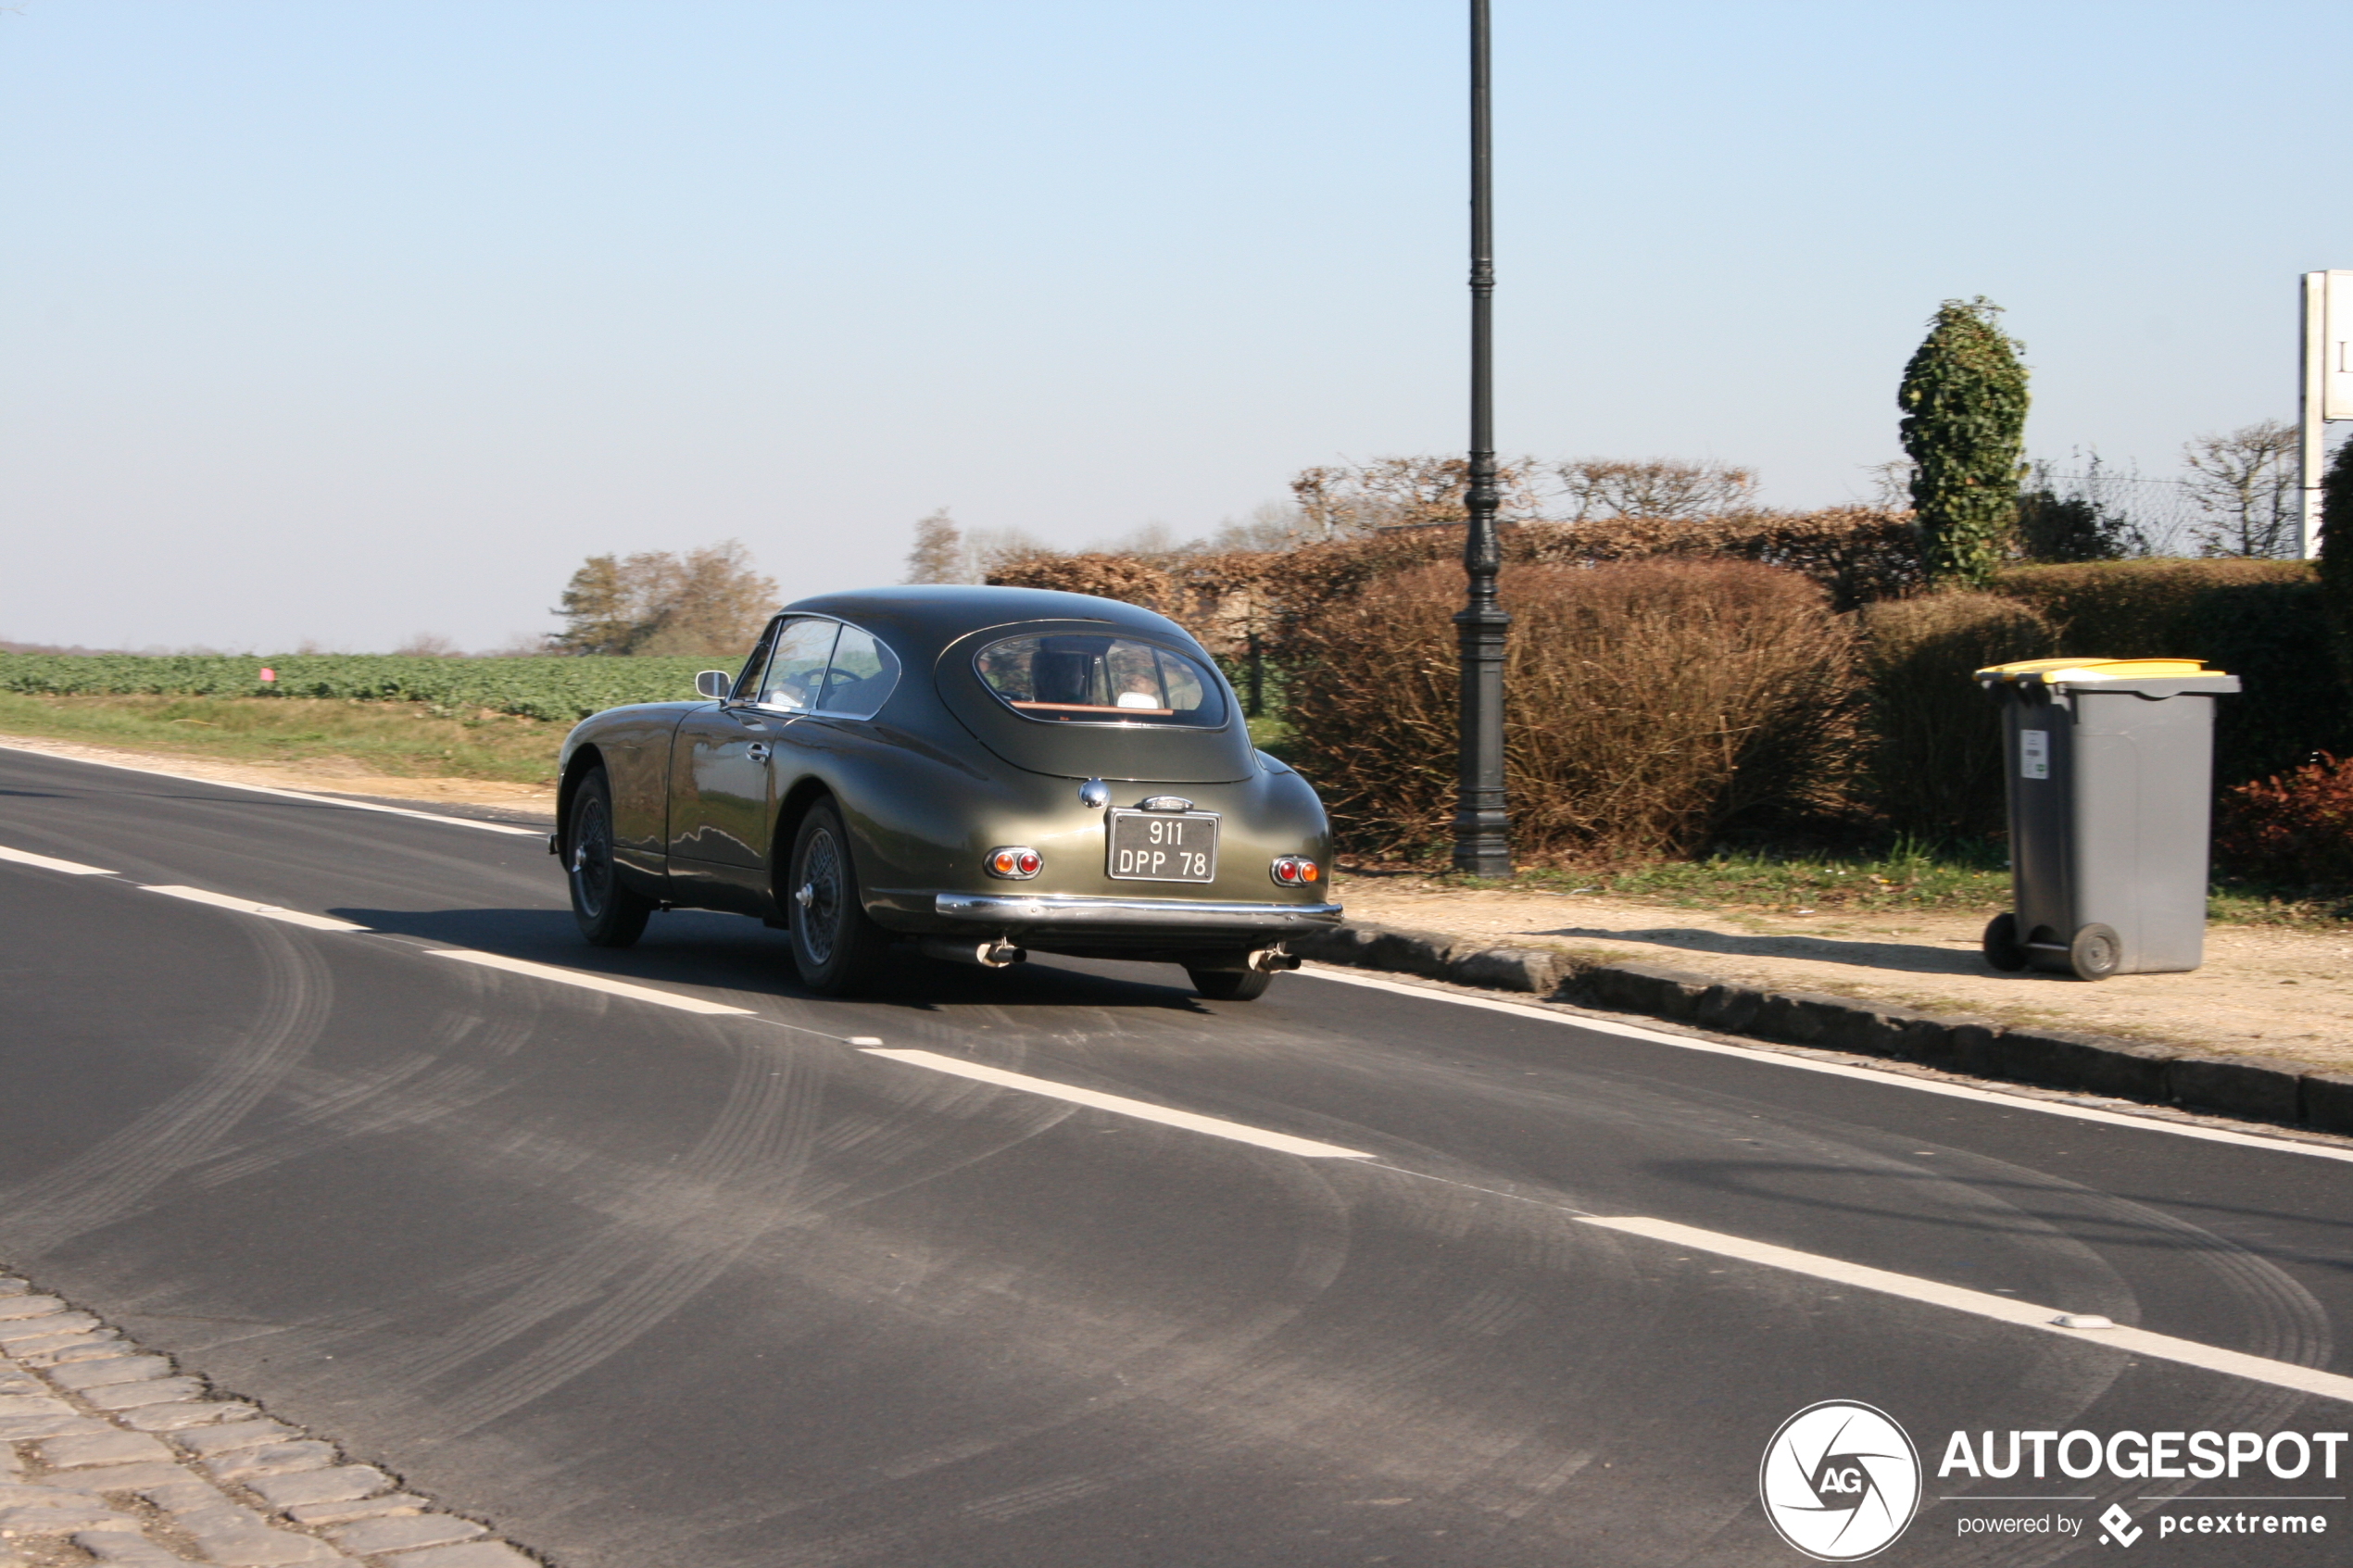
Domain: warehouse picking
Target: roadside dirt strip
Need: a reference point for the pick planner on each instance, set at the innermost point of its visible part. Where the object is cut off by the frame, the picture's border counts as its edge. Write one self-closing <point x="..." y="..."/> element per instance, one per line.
<point x="106" y="1456"/>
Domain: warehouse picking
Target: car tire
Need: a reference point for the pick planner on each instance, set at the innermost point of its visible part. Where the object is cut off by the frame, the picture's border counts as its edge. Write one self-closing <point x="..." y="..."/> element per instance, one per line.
<point x="2003" y="949"/>
<point x="2095" y="953"/>
<point x="1231" y="985"/>
<point x="836" y="945"/>
<point x="612" y="913"/>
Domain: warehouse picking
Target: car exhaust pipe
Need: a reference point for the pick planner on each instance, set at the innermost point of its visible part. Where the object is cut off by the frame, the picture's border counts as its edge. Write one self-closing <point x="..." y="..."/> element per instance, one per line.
<point x="988" y="955"/>
<point x="1262" y="960"/>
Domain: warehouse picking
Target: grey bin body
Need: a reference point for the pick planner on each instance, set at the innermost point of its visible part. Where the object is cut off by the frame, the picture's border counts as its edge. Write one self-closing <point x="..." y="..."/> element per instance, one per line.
<point x="2110" y="765"/>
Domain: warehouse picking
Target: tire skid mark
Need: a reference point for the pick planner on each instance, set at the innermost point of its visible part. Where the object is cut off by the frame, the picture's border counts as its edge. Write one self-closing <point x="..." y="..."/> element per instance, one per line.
<point x="330" y="1108"/>
<point x="1149" y="1351"/>
<point x="2284" y="1320"/>
<point x="113" y="1177"/>
<point x="317" y="1095"/>
<point x="360" y="1112"/>
<point x="1508" y="1476"/>
<point x="671" y="1237"/>
<point x="1245" y="1393"/>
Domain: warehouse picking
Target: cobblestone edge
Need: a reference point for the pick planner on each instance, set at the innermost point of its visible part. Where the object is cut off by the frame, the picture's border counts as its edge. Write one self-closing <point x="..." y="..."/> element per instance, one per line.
<point x="107" y="1455"/>
<point x="2286" y="1093"/>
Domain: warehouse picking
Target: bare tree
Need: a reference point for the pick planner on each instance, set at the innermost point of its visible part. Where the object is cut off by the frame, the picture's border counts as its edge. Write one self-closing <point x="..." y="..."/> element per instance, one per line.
<point x="2246" y="483"/>
<point x="1666" y="487"/>
<point x="946" y="553"/>
<point x="988" y="549"/>
<point x="704" y="601"/>
<point x="427" y="645"/>
<point x="1404" y="493"/>
<point x="1271" y="525"/>
<point x="1891" y="484"/>
<point x="2077" y="516"/>
<point x="937" y="555"/>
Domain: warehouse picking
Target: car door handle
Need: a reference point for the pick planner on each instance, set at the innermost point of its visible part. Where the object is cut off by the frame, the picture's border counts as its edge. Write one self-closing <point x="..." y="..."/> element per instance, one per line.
<point x="758" y="751"/>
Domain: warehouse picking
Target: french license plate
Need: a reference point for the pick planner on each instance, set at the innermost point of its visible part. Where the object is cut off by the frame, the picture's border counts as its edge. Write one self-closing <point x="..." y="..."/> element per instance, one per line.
<point x="1164" y="846"/>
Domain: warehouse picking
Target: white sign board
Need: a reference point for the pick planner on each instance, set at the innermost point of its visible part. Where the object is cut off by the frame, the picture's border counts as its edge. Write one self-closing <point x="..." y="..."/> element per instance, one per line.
<point x="2336" y="347"/>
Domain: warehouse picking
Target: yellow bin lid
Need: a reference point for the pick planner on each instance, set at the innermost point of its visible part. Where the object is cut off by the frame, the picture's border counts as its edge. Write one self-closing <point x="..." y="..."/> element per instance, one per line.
<point x="2080" y="670"/>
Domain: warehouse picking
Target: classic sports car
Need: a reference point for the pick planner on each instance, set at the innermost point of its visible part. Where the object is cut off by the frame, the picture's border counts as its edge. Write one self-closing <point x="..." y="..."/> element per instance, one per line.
<point x="974" y="773"/>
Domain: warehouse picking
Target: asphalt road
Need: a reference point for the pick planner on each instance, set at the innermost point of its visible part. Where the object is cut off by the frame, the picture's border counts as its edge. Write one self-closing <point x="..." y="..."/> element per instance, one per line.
<point x="651" y="1287"/>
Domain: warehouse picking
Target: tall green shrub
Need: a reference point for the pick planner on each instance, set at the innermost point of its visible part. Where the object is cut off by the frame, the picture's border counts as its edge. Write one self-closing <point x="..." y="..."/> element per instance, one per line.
<point x="1964" y="401"/>
<point x="1935" y="755"/>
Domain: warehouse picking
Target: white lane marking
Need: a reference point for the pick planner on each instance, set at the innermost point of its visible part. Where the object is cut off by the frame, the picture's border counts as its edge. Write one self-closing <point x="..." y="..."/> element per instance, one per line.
<point x="587" y="982"/>
<point x="1840" y="1070"/>
<point x="354" y="804"/>
<point x="247" y="907"/>
<point x="1141" y="1109"/>
<point x="71" y="868"/>
<point x="2002" y="1309"/>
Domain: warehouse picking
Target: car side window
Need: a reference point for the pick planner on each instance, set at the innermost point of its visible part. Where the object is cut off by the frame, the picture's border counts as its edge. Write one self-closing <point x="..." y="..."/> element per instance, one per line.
<point x="864" y="673"/>
<point x="746" y="685"/>
<point x="796" y="675"/>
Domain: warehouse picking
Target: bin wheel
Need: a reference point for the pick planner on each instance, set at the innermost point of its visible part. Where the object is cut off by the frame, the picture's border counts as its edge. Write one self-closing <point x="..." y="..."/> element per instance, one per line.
<point x="2095" y="953"/>
<point x="2003" y="949"/>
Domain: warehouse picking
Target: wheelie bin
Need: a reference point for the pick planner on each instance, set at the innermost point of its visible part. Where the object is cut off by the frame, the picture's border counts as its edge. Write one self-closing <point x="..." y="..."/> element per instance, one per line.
<point x="2110" y="769"/>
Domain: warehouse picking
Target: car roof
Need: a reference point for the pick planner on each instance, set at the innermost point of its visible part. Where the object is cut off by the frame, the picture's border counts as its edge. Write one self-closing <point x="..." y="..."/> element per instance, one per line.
<point x="937" y="614"/>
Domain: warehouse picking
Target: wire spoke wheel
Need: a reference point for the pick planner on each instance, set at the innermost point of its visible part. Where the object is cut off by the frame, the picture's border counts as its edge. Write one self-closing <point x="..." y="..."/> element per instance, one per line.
<point x="820" y="896"/>
<point x="836" y="945"/>
<point x="609" y="912"/>
<point x="592" y="872"/>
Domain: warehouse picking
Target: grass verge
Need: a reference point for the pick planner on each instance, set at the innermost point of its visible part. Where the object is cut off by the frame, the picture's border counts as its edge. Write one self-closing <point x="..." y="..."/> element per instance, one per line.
<point x="411" y="740"/>
<point x="396" y="739"/>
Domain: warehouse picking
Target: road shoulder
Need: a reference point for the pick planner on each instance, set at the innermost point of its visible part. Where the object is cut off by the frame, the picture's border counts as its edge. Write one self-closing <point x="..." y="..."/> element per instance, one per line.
<point x="2284" y="1091"/>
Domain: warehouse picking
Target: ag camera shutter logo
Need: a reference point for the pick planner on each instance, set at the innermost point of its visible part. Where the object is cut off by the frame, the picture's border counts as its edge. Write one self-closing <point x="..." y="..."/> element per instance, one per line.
<point x="1840" y="1481"/>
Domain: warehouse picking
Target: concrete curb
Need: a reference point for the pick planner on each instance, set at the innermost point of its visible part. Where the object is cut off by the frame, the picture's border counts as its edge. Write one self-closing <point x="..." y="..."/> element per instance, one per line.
<point x="2287" y="1093"/>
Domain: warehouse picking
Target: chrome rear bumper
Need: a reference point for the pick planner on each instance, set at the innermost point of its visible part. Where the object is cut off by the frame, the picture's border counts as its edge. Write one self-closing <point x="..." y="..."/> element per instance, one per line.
<point x="1077" y="914"/>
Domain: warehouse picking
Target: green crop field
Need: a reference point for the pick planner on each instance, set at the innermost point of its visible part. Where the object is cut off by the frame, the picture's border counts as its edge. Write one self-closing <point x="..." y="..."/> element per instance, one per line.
<point x="558" y="690"/>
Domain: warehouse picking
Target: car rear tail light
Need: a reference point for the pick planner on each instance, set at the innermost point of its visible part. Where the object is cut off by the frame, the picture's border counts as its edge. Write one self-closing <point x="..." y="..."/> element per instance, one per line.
<point x="1015" y="864"/>
<point x="1295" y="871"/>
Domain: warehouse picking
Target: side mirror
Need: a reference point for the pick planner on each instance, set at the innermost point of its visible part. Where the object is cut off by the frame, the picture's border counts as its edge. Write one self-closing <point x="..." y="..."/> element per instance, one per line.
<point x="715" y="683"/>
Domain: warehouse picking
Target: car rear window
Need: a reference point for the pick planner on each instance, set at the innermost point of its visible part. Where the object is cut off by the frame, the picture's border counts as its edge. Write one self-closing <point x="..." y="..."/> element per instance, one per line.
<point x="1067" y="677"/>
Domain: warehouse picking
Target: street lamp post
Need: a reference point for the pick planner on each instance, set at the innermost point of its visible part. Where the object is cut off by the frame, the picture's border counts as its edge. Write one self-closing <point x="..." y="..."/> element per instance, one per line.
<point x="1482" y="838"/>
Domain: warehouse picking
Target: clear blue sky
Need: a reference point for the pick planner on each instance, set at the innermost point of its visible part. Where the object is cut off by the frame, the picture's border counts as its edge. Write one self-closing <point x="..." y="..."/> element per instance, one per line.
<point x="347" y="322"/>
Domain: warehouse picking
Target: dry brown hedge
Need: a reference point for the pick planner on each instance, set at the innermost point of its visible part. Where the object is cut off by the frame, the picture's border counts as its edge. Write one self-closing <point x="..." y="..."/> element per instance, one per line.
<point x="1855" y="554"/>
<point x="1651" y="705"/>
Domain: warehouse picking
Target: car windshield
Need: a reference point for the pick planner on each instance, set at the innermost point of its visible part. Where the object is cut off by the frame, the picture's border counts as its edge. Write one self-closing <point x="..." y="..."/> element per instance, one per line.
<point x="1086" y="678"/>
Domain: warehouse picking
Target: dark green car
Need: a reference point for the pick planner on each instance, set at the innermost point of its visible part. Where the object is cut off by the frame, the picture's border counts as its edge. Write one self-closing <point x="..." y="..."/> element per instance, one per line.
<point x="971" y="772"/>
